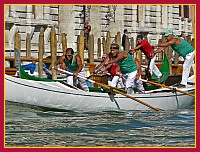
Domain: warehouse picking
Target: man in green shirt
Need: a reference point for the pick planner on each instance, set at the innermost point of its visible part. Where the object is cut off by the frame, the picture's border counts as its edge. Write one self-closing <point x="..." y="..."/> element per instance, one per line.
<point x="72" y="62"/>
<point x="184" y="49"/>
<point x="127" y="66"/>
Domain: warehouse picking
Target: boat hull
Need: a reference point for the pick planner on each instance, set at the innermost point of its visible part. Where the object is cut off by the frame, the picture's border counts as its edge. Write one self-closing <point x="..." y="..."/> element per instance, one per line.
<point x="59" y="96"/>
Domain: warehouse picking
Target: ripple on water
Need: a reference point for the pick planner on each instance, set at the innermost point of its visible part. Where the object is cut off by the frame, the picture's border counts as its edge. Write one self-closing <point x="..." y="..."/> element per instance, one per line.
<point x="27" y="126"/>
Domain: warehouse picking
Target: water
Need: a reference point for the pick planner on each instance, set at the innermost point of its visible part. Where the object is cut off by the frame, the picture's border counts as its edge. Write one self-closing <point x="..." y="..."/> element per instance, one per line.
<point x="36" y="127"/>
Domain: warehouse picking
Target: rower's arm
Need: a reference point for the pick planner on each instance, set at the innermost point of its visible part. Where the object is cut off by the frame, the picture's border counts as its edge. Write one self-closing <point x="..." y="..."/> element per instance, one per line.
<point x="159" y="50"/>
<point x="79" y="62"/>
<point x="137" y="47"/>
<point x="165" y="44"/>
<point x="59" y="61"/>
<point x="120" y="56"/>
<point x="102" y="63"/>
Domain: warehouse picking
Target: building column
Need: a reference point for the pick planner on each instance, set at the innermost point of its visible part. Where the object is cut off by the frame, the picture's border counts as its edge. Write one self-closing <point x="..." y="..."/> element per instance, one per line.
<point x="164" y="18"/>
<point x="12" y="33"/>
<point x="170" y="17"/>
<point x="29" y="12"/>
<point x="12" y="11"/>
<point x="158" y="18"/>
<point x="141" y="17"/>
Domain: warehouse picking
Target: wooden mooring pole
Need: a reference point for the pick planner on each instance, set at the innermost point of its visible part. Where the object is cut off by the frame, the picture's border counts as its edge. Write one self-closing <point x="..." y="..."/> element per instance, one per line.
<point x="53" y="47"/>
<point x="17" y="50"/>
<point x="118" y="38"/>
<point x="104" y="44"/>
<point x="64" y="43"/>
<point x="91" y="49"/>
<point x="81" y="46"/>
<point x="127" y="44"/>
<point x="138" y="54"/>
<point x="132" y="43"/>
<point x="41" y="52"/>
<point x="99" y="48"/>
<point x="28" y="46"/>
<point x="107" y="43"/>
<point x="91" y="53"/>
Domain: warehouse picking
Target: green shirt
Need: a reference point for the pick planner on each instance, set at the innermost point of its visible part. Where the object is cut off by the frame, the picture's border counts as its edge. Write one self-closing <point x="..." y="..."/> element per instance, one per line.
<point x="183" y="48"/>
<point x="72" y="66"/>
<point x="127" y="65"/>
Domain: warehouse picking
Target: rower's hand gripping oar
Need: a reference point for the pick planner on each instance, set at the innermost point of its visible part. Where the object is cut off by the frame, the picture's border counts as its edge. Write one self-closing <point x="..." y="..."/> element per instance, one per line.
<point x="114" y="89"/>
<point x="95" y="72"/>
<point x="164" y="86"/>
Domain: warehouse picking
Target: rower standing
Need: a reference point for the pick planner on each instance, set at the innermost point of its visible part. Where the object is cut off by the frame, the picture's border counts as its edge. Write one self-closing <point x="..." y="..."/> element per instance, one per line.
<point x="184" y="49"/>
<point x="146" y="48"/>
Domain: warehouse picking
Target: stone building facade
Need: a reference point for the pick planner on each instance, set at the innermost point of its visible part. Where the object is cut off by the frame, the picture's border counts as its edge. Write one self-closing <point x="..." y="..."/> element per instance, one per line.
<point x="151" y="20"/>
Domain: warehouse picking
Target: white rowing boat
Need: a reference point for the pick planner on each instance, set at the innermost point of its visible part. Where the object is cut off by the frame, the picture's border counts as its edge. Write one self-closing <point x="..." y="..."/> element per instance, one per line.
<point x="59" y="96"/>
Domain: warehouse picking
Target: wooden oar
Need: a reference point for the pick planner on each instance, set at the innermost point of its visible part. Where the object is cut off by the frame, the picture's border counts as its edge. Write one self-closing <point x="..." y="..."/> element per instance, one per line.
<point x="164" y="86"/>
<point x="95" y="72"/>
<point x="148" y="74"/>
<point x="113" y="89"/>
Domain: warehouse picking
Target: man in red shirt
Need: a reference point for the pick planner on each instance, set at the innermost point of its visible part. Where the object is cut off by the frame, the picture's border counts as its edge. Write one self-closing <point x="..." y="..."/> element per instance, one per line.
<point x="146" y="48"/>
<point x="116" y="76"/>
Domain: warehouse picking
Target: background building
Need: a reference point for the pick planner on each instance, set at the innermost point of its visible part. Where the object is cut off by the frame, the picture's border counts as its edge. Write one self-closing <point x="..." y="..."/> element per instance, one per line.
<point x="151" y="20"/>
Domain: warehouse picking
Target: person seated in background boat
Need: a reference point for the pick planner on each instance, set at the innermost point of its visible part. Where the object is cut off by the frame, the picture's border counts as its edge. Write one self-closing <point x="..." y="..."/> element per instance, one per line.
<point x="146" y="48"/>
<point x="72" y="62"/>
<point x="127" y="66"/>
<point x="184" y="49"/>
<point x="115" y="79"/>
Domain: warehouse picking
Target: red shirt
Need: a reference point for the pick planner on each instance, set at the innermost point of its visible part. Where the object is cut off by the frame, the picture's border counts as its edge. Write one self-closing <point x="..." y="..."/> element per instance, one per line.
<point x="112" y="69"/>
<point x="146" y="48"/>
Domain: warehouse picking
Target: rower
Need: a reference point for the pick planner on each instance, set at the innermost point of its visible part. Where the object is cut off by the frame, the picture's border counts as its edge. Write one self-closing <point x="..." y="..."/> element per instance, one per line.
<point x="72" y="62"/>
<point x="146" y="48"/>
<point x="127" y="66"/>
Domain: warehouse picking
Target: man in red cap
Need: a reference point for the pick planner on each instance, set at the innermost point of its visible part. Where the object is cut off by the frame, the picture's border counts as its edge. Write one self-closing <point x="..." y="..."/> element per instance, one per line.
<point x="146" y="48"/>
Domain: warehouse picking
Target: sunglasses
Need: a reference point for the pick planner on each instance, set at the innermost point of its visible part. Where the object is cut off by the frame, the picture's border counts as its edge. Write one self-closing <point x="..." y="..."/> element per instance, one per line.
<point x="114" y="48"/>
<point x="68" y="55"/>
